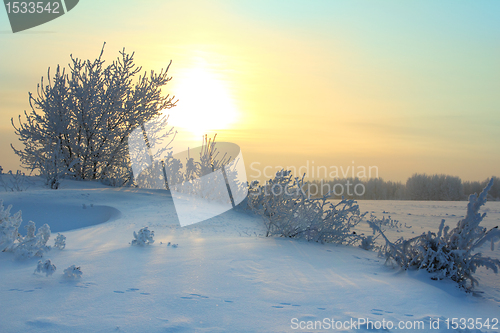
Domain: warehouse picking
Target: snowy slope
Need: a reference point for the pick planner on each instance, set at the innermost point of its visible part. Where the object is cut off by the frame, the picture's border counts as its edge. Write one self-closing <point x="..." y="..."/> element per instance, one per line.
<point x="224" y="276"/>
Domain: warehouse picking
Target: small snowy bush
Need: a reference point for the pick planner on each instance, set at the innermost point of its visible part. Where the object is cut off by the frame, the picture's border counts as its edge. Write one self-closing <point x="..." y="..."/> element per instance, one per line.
<point x="45" y="267"/>
<point x="289" y="211"/>
<point x="449" y="253"/>
<point x="60" y="242"/>
<point x="33" y="245"/>
<point x="73" y="272"/>
<point x="9" y="226"/>
<point x="143" y="237"/>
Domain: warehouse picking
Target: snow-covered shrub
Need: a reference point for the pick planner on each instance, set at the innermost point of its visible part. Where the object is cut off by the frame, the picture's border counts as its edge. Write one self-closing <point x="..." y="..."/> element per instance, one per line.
<point x="274" y="201"/>
<point x="449" y="253"/>
<point x="73" y="272"/>
<point x="60" y="242"/>
<point x="45" y="267"/>
<point x="330" y="222"/>
<point x="33" y="245"/>
<point x="289" y="211"/>
<point x="143" y="237"/>
<point x="9" y="226"/>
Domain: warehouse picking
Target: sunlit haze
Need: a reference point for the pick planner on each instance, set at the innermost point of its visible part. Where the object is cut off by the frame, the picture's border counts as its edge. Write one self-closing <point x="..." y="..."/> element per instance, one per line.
<point x="205" y="103"/>
<point x="406" y="87"/>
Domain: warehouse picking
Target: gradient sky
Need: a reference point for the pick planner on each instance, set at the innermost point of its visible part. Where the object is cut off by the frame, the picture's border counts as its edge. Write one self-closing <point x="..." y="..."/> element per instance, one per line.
<point x="407" y="86"/>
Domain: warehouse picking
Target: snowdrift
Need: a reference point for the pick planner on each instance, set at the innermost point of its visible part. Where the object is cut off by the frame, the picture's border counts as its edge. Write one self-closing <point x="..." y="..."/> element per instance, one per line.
<point x="224" y="276"/>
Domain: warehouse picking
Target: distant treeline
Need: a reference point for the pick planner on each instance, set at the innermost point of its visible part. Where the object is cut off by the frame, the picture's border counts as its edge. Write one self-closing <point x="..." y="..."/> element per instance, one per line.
<point x="417" y="187"/>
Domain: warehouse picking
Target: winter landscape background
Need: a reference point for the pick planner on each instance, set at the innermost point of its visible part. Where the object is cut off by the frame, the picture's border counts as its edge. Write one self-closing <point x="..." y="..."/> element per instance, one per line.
<point x="108" y="121"/>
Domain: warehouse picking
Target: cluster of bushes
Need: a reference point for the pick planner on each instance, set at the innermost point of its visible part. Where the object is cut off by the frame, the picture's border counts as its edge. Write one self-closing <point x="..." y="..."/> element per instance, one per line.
<point x="178" y="169"/>
<point x="290" y="211"/>
<point x="417" y="187"/>
<point x="34" y="244"/>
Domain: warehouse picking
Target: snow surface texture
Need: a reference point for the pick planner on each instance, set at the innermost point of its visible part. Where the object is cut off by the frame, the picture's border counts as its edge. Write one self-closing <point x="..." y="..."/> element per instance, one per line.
<point x="224" y="276"/>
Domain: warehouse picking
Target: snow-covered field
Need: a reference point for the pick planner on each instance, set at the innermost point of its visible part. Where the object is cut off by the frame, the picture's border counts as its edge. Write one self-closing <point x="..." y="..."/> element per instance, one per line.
<point x="224" y="276"/>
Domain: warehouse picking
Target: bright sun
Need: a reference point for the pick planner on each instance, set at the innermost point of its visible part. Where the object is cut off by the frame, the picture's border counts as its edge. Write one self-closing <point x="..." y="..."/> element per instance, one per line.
<point x="205" y="104"/>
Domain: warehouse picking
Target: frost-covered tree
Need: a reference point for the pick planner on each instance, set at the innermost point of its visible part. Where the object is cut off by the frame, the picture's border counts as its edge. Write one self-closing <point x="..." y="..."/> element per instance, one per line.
<point x="80" y="118"/>
<point x="494" y="193"/>
<point x="435" y="187"/>
<point x="46" y="267"/>
<point x="471" y="187"/>
<point x="360" y="189"/>
<point x="143" y="237"/>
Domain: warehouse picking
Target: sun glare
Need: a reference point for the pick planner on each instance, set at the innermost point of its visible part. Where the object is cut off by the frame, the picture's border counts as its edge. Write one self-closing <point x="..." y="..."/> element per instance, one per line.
<point x="205" y="104"/>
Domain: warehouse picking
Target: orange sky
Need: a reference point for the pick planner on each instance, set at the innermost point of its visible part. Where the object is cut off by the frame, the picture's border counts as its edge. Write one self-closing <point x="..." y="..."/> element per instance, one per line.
<point x="407" y="88"/>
